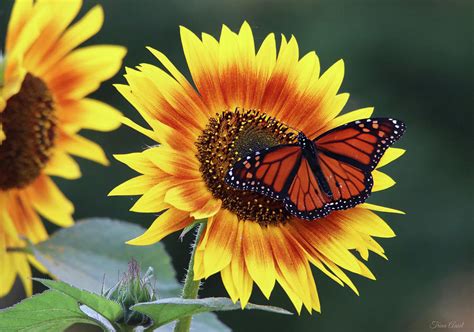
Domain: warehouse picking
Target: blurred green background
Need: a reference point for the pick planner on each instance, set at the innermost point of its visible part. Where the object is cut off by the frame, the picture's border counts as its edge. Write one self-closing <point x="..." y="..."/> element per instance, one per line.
<point x="410" y="59"/>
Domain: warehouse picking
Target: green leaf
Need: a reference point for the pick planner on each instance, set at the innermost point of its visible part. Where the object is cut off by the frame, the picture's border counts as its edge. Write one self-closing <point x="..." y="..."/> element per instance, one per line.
<point x="48" y="311"/>
<point x="92" y="255"/>
<point x="167" y="310"/>
<point x="107" y="308"/>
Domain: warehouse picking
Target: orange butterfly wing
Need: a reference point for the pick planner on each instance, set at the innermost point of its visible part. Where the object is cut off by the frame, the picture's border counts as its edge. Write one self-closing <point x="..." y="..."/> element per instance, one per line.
<point x="306" y="199"/>
<point x="267" y="171"/>
<point x="361" y="143"/>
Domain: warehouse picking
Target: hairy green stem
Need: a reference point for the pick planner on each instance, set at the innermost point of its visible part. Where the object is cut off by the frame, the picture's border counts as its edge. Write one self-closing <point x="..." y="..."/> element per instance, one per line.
<point x="191" y="286"/>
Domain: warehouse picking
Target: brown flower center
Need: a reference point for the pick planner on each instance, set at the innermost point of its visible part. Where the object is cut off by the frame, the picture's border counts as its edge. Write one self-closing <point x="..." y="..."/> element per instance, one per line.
<point x="233" y="135"/>
<point x="29" y="125"/>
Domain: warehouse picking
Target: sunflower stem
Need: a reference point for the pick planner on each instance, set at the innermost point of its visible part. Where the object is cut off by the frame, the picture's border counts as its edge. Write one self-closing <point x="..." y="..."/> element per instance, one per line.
<point x="191" y="286"/>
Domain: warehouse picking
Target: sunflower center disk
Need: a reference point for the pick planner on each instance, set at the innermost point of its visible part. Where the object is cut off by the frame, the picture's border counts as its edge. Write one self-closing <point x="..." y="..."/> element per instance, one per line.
<point x="29" y="125"/>
<point x="233" y="135"/>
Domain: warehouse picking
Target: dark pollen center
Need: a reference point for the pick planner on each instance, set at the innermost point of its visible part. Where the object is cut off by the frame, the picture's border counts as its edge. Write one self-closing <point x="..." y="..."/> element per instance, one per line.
<point x="29" y="125"/>
<point x="233" y="135"/>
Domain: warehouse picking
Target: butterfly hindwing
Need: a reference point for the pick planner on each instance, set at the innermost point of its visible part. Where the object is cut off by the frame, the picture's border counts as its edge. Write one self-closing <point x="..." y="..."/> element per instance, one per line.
<point x="306" y="199"/>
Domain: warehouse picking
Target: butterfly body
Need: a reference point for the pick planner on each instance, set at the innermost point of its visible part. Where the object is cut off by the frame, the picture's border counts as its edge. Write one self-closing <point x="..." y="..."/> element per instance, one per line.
<point x="314" y="177"/>
<point x="310" y="153"/>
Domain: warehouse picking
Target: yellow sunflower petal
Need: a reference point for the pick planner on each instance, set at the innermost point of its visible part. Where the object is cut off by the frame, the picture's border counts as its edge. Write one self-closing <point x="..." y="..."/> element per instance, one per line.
<point x="8" y="268"/>
<point x="167" y="135"/>
<point x="181" y="100"/>
<point x="265" y="61"/>
<point x="258" y="257"/>
<point x="188" y="195"/>
<point x="380" y="208"/>
<point x="37" y="265"/>
<point x="13" y="78"/>
<point x="165" y="105"/>
<point x="21" y="12"/>
<point x="26" y="219"/>
<point x="2" y="134"/>
<point x="390" y="155"/>
<point x="144" y="110"/>
<point x="147" y="132"/>
<point x="317" y="260"/>
<point x="331" y="107"/>
<point x="198" y="267"/>
<point x="241" y="278"/>
<point x="135" y="186"/>
<point x="75" y="35"/>
<point x="169" y="222"/>
<point x="89" y="114"/>
<point x="315" y="303"/>
<point x="208" y="210"/>
<point x="362" y="113"/>
<point x="185" y="166"/>
<point x="82" y="147"/>
<point x="20" y="37"/>
<point x="289" y="290"/>
<point x="366" y="272"/>
<point x="309" y="297"/>
<point x="153" y="200"/>
<point x="145" y="101"/>
<point x="203" y="69"/>
<point x="50" y="202"/>
<point x="226" y="276"/>
<point x="220" y="243"/>
<point x="237" y="66"/>
<point x="325" y="239"/>
<point x="311" y="252"/>
<point x="6" y="222"/>
<point x="171" y="68"/>
<point x="82" y="71"/>
<point x="373" y="246"/>
<point x="340" y="274"/>
<point x="330" y="81"/>
<point x="291" y="263"/>
<point x="24" y="271"/>
<point x="364" y="252"/>
<point x="381" y="181"/>
<point x="280" y="86"/>
<point x="63" y="165"/>
<point x="139" y="162"/>
<point x="367" y="222"/>
<point x="60" y="15"/>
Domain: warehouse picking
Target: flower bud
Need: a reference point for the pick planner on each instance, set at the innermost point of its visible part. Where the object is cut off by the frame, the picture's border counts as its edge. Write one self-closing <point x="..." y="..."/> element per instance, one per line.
<point x="130" y="290"/>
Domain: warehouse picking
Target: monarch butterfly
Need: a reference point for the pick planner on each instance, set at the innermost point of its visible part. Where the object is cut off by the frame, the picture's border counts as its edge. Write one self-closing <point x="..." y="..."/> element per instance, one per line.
<point x="315" y="177"/>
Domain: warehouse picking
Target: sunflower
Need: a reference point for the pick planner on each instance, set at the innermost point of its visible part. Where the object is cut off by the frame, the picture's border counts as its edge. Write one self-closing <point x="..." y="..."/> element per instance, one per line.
<point x="43" y="87"/>
<point x="244" y="98"/>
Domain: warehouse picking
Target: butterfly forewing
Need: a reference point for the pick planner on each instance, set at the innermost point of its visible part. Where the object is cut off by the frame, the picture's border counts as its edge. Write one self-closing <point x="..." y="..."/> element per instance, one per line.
<point x="361" y="143"/>
<point x="267" y="171"/>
